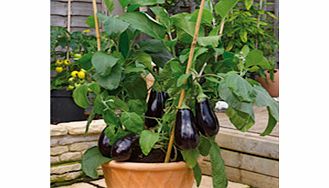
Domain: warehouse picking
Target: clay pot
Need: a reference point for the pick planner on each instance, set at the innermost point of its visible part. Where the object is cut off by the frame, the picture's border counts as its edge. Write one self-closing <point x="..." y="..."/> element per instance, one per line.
<point x="272" y="87"/>
<point x="147" y="175"/>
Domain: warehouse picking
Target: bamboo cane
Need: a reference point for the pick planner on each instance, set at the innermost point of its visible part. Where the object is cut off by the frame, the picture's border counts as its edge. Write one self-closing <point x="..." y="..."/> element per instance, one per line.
<point x="69" y="15"/>
<point x="189" y="64"/>
<point x="96" y="26"/>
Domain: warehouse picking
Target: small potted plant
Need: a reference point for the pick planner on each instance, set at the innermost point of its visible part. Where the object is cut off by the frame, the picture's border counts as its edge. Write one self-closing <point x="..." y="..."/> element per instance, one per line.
<point x="67" y="73"/>
<point x="154" y="137"/>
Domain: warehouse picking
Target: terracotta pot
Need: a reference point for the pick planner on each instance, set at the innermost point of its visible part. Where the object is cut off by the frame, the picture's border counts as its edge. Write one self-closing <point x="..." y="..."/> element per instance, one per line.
<point x="272" y="87"/>
<point x="147" y="175"/>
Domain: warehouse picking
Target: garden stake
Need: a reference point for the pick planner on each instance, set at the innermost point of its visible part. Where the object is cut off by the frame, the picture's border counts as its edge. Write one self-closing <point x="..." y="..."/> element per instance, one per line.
<point x="96" y="26"/>
<point x="69" y="15"/>
<point x="189" y="63"/>
<point x="68" y="25"/>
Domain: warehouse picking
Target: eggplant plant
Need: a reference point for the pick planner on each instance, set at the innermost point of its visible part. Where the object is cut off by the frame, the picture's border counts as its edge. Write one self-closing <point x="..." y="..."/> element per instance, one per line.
<point x="136" y="122"/>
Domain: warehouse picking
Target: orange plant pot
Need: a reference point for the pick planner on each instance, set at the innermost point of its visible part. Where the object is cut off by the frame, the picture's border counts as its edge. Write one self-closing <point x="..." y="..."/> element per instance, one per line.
<point x="147" y="175"/>
<point x="272" y="87"/>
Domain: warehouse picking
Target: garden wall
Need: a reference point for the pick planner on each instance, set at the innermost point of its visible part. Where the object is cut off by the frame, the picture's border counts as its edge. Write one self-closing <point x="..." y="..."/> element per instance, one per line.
<point x="68" y="143"/>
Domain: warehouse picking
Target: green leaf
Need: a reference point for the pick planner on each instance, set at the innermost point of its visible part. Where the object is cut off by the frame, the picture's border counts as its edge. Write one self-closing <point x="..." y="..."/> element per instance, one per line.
<point x="110" y="118"/>
<point x="80" y="96"/>
<point x="243" y="35"/>
<point x="264" y="99"/>
<point x="147" y="2"/>
<point x="198" y="51"/>
<point x="157" y="50"/>
<point x="240" y="87"/>
<point x="241" y="120"/>
<point x="132" y="121"/>
<point x="91" y="160"/>
<point x="162" y="15"/>
<point x="270" y="125"/>
<point x="144" y="59"/>
<point x="124" y="3"/>
<point x="94" y="87"/>
<point x="224" y="6"/>
<point x="113" y="25"/>
<point x="245" y="50"/>
<point x="117" y="104"/>
<point x="182" y="21"/>
<point x="124" y="44"/>
<point x="214" y="31"/>
<point x="85" y="61"/>
<point x="182" y="79"/>
<point x="207" y="17"/>
<point x="241" y="114"/>
<point x="217" y="167"/>
<point x="112" y="80"/>
<point x="137" y="106"/>
<point x="248" y="3"/>
<point x="109" y="5"/>
<point x="204" y="146"/>
<point x="103" y="63"/>
<point x="197" y="174"/>
<point x="256" y="57"/>
<point x="212" y="79"/>
<point x="190" y="157"/>
<point x="209" y="41"/>
<point x="136" y="87"/>
<point x="147" y="140"/>
<point x="143" y="23"/>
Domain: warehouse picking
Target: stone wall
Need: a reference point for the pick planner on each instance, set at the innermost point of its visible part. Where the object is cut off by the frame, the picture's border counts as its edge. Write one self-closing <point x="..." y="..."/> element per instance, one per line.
<point x="68" y="143"/>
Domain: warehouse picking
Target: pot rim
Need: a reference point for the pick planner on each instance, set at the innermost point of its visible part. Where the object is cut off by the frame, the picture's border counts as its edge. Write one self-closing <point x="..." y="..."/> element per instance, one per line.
<point x="146" y="166"/>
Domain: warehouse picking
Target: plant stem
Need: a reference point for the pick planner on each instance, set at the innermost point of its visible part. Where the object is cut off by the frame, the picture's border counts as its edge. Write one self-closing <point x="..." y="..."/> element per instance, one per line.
<point x="96" y="26"/>
<point x="173" y="47"/>
<point x="189" y="64"/>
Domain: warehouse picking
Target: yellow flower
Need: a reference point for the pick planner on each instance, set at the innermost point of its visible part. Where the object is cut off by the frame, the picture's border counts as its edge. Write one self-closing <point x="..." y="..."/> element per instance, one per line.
<point x="74" y="74"/>
<point x="67" y="62"/>
<point x="81" y="74"/>
<point x="59" y="62"/>
<point x="59" y="69"/>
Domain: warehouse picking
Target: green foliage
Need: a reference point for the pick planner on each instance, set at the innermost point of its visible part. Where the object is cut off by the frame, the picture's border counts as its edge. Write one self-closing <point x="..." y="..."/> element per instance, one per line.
<point x="115" y="86"/>
<point x="91" y="160"/>
<point x="191" y="157"/>
<point x="224" y="6"/>
<point x="217" y="167"/>
<point x="197" y="174"/>
<point x="143" y="23"/>
<point x="147" y="140"/>
<point x="132" y="121"/>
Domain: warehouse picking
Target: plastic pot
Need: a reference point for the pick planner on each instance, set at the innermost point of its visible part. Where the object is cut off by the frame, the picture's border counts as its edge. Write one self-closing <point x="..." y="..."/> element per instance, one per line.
<point x="63" y="108"/>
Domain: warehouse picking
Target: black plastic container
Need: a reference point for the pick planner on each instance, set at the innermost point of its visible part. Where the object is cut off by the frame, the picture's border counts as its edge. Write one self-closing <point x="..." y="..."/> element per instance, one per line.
<point x="63" y="108"/>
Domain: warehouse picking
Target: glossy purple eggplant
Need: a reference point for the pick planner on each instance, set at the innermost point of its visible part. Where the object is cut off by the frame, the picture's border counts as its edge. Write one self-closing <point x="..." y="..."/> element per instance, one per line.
<point x="122" y="148"/>
<point x="155" y="108"/>
<point x="186" y="133"/>
<point x="104" y="145"/>
<point x="207" y="122"/>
